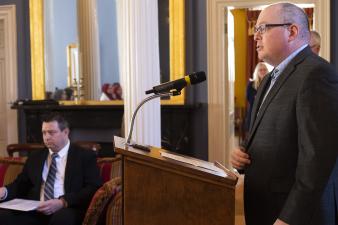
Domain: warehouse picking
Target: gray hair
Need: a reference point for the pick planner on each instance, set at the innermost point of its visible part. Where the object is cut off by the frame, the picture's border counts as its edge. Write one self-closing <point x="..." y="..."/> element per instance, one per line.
<point x="294" y="14"/>
<point x="315" y="36"/>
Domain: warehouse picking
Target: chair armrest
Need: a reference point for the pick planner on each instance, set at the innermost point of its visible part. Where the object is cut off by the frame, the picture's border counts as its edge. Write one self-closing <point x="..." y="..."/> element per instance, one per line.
<point x="114" y="210"/>
<point x="23" y="148"/>
<point x="10" y="169"/>
<point x="100" y="200"/>
<point x="110" y="167"/>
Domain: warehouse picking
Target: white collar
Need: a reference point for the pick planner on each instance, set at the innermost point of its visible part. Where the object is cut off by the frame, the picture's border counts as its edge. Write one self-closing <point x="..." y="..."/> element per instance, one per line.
<point x="63" y="151"/>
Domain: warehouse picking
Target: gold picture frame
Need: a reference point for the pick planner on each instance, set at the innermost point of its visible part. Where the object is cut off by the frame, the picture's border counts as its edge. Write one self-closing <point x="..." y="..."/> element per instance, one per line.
<point x="176" y="40"/>
<point x="73" y="65"/>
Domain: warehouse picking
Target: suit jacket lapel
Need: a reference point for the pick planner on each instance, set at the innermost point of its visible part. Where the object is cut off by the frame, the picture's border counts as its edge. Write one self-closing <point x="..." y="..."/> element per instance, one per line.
<point x="274" y="90"/>
<point x="71" y="158"/>
<point x="259" y="97"/>
<point x="40" y="164"/>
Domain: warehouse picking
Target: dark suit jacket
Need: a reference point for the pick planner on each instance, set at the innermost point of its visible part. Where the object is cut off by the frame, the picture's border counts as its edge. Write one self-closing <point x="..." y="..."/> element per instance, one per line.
<point x="329" y="201"/>
<point x="292" y="143"/>
<point x="82" y="177"/>
<point x="250" y="97"/>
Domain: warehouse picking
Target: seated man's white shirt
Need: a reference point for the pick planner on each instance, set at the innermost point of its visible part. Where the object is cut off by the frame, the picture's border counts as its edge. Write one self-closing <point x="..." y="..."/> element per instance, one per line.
<point x="61" y="162"/>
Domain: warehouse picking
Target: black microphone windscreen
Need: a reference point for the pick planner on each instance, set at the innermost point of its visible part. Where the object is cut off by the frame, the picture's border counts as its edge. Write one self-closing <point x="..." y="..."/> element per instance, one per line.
<point x="197" y="77"/>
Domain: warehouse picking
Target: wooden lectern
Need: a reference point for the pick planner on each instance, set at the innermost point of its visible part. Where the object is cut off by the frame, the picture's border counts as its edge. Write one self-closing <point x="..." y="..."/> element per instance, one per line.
<point x="160" y="189"/>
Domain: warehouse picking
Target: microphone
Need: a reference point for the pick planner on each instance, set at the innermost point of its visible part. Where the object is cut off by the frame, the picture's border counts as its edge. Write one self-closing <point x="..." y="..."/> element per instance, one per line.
<point x="178" y="85"/>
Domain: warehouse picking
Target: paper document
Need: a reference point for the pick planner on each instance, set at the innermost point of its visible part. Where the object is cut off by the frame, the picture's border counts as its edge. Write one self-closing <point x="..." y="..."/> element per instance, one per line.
<point x="195" y="162"/>
<point x="20" y="204"/>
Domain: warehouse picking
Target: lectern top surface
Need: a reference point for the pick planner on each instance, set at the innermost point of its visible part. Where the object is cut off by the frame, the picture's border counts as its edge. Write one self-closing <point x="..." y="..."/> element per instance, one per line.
<point x="158" y="156"/>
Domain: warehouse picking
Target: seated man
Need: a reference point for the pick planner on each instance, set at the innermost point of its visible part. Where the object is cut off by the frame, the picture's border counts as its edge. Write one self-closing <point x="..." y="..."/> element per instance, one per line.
<point x="63" y="177"/>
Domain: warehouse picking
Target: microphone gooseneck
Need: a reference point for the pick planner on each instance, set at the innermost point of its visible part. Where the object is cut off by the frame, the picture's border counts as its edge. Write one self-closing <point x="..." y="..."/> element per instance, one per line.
<point x="167" y="89"/>
<point x="138" y="107"/>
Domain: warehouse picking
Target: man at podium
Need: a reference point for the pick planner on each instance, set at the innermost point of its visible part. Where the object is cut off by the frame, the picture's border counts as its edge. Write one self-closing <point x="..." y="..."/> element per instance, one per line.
<point x="292" y="145"/>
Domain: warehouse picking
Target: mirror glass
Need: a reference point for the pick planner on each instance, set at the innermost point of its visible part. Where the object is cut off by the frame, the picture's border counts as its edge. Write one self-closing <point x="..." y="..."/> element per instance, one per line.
<point x="60" y="30"/>
<point x="61" y="48"/>
<point x="48" y="18"/>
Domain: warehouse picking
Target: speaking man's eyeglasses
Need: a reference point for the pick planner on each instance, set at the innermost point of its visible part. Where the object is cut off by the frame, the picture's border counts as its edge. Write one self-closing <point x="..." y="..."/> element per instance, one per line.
<point x="261" y="29"/>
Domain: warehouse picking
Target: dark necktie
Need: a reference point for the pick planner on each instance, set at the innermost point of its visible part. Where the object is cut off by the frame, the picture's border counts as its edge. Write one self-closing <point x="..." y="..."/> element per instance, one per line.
<point x="274" y="76"/>
<point x="266" y="88"/>
<point x="271" y="81"/>
<point x="49" y="184"/>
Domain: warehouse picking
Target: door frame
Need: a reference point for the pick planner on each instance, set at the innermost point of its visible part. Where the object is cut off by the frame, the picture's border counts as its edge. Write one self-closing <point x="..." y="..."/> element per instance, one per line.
<point x="8" y="15"/>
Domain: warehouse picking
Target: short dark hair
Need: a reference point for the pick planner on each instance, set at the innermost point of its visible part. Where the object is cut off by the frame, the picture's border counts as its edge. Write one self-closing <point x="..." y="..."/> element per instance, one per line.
<point x="55" y="116"/>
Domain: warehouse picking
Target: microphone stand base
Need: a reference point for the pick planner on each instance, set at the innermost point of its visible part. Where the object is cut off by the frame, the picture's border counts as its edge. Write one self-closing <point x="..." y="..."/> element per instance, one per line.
<point x="140" y="147"/>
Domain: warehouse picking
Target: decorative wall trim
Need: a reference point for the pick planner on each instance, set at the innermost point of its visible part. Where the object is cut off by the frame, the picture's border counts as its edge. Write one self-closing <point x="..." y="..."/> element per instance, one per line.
<point x="8" y="15"/>
<point x="37" y="49"/>
<point x="217" y="83"/>
<point x="177" y="44"/>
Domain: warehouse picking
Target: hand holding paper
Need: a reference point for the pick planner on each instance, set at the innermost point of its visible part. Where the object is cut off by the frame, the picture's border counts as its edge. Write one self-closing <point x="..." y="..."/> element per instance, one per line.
<point x="20" y="204"/>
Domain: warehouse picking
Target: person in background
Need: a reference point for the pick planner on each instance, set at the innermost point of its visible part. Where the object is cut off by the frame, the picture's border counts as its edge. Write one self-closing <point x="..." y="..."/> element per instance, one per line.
<point x="292" y="146"/>
<point x="260" y="71"/>
<point x="111" y="92"/>
<point x="106" y="92"/>
<point x="63" y="177"/>
<point x="118" y="91"/>
<point x="315" y="41"/>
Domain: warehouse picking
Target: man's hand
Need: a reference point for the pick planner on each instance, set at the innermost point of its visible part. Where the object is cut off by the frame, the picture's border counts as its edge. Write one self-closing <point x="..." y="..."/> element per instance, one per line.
<point x="2" y="192"/>
<point x="279" y="222"/>
<point x="239" y="159"/>
<point x="51" y="206"/>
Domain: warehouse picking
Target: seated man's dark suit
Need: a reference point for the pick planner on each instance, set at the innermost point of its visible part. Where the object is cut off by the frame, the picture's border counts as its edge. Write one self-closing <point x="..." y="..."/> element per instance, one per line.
<point x="81" y="181"/>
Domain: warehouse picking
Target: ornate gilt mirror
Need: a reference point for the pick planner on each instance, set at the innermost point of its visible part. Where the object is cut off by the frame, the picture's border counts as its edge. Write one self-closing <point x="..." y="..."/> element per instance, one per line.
<point x="38" y="49"/>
